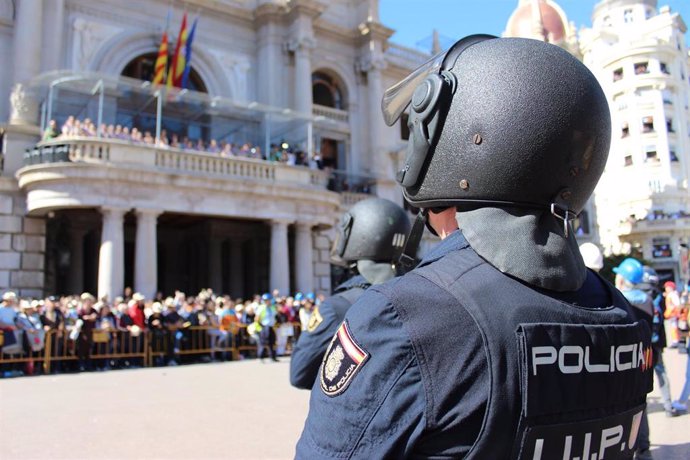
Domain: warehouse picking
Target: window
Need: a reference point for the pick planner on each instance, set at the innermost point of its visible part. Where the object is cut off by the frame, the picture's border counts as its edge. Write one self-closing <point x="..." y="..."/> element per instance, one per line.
<point x="661" y="248"/>
<point x="326" y="91"/>
<point x="669" y="125"/>
<point x="628" y="15"/>
<point x="668" y="97"/>
<point x="641" y="68"/>
<point x="404" y="128"/>
<point x="625" y="130"/>
<point x="627" y="161"/>
<point x="672" y="156"/>
<point x="651" y="155"/>
<point x="618" y="74"/>
<point x="648" y="125"/>
<point x="664" y="68"/>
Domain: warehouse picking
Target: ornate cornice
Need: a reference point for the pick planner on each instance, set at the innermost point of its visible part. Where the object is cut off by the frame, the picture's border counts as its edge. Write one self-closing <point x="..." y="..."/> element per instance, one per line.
<point x="269" y="12"/>
<point x="309" y="8"/>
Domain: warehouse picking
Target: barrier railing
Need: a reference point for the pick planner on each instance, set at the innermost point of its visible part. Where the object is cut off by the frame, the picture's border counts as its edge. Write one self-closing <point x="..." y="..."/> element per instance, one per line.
<point x="147" y="348"/>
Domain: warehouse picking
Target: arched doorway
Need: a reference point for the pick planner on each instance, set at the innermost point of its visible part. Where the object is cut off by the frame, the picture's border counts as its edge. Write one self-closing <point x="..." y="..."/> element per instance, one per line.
<point x="142" y="68"/>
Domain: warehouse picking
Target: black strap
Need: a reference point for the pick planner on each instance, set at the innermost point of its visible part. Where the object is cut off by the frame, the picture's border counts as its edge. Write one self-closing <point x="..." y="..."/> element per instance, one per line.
<point x="408" y="258"/>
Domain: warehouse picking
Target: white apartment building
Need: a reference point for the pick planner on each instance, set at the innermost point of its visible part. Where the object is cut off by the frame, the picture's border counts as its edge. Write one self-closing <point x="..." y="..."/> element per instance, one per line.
<point x="639" y="55"/>
<point x="97" y="213"/>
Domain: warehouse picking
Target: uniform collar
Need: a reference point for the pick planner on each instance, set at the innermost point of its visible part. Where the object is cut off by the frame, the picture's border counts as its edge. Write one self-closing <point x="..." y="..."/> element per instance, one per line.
<point x="453" y="242"/>
<point x="355" y="281"/>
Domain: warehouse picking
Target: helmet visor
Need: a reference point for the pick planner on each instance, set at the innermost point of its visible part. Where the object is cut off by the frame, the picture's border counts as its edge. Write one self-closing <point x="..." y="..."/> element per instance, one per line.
<point x="397" y="97"/>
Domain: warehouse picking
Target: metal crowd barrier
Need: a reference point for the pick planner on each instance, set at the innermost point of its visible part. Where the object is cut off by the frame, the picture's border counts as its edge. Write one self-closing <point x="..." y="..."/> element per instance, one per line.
<point x="150" y="347"/>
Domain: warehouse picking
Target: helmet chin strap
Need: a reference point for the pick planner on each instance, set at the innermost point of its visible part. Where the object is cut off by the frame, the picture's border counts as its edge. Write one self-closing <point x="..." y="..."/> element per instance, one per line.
<point x="408" y="258"/>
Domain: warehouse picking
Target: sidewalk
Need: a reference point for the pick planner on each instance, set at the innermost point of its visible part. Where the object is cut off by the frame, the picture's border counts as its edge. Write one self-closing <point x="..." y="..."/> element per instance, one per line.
<point x="670" y="436"/>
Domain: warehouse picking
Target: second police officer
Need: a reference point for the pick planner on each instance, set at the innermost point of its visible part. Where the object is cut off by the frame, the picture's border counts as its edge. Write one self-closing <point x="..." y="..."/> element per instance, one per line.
<point x="500" y="344"/>
<point x="371" y="236"/>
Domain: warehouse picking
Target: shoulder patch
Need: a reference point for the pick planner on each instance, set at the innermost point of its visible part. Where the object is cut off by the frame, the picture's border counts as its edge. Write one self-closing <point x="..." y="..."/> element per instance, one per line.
<point x="343" y="359"/>
<point x="314" y="320"/>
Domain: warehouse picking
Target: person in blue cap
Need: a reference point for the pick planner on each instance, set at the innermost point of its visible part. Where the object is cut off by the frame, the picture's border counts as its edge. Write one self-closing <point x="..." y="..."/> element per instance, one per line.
<point x="370" y="238"/>
<point x="264" y="321"/>
<point x="499" y="344"/>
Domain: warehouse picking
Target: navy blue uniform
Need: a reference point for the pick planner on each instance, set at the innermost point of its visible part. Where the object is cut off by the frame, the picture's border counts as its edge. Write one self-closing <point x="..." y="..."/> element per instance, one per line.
<point x="457" y="360"/>
<point x="308" y="352"/>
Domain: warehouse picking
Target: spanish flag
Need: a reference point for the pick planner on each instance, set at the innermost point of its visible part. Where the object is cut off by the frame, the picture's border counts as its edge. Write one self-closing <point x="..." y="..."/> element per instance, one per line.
<point x="178" y="62"/>
<point x="188" y="56"/>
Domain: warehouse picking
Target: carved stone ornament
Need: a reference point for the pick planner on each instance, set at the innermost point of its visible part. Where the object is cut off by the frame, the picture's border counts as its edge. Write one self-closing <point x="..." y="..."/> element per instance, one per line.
<point x="23" y="107"/>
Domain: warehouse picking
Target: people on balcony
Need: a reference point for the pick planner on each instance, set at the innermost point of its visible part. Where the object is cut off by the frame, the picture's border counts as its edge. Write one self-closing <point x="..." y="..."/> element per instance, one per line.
<point x="280" y="153"/>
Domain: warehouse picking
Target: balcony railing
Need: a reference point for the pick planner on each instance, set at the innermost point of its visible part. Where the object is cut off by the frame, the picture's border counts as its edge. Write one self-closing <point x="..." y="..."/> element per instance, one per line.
<point x="113" y="151"/>
<point x="341" y="116"/>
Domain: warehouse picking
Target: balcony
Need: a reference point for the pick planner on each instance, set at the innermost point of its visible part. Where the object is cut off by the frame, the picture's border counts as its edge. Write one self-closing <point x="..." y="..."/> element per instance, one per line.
<point x="665" y="225"/>
<point x="92" y="172"/>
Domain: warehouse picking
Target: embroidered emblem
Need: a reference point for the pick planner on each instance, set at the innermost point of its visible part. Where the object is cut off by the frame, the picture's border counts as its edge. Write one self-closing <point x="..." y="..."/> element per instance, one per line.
<point x="343" y="359"/>
<point x="314" y="320"/>
<point x="335" y="360"/>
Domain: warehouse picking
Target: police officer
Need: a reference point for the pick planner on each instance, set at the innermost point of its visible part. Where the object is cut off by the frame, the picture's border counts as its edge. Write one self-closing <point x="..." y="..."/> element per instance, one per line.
<point x="500" y="344"/>
<point x="370" y="238"/>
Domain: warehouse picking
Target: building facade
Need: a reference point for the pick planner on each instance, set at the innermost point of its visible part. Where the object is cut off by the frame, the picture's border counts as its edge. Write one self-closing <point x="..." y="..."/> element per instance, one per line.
<point x="91" y="211"/>
<point x="546" y="21"/>
<point x="639" y="55"/>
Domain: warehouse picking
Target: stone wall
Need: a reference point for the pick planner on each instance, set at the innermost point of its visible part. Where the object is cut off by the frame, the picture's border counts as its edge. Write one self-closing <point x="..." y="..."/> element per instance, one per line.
<point x="22" y="244"/>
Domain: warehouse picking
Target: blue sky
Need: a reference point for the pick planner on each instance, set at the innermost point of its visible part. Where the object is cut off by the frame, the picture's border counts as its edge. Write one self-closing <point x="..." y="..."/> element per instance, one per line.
<point x="414" y="20"/>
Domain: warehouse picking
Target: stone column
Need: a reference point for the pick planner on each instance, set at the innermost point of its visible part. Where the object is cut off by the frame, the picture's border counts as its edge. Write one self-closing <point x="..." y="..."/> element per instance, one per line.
<point x="215" y="264"/>
<point x="280" y="262"/>
<point x="111" y="258"/>
<point x="304" y="264"/>
<point x="377" y="127"/>
<point x="76" y="274"/>
<point x="28" y="26"/>
<point x="303" y="92"/>
<point x="52" y="34"/>
<point x="146" y="253"/>
<point x="236" y="268"/>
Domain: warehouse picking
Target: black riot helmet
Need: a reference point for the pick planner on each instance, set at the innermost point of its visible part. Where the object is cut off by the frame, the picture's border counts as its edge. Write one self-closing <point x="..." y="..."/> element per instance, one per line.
<point x="502" y="122"/>
<point x="374" y="229"/>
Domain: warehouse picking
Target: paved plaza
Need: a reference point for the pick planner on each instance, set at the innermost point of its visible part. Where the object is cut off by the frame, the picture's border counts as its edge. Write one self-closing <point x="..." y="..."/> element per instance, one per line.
<point x="239" y="410"/>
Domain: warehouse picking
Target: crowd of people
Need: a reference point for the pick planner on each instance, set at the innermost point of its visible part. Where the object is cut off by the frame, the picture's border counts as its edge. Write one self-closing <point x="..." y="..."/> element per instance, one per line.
<point x="74" y="324"/>
<point x="283" y="152"/>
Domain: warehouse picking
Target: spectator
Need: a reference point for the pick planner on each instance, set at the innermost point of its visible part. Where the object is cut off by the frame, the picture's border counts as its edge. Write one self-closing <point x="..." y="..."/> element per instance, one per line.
<point x="51" y="131"/>
<point x="213" y="147"/>
<point x="53" y="321"/>
<point x="29" y="322"/>
<point x="672" y="311"/>
<point x="88" y="317"/>
<point x="156" y="327"/>
<point x="172" y="322"/>
<point x="265" y="320"/>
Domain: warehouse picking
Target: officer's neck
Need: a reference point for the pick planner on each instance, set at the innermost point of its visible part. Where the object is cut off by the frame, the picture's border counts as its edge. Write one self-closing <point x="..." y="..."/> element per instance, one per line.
<point x="443" y="222"/>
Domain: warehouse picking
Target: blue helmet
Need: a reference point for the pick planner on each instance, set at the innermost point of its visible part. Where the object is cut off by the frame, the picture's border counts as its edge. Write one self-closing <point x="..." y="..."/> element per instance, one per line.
<point x="630" y="269"/>
<point x="299" y="297"/>
<point x="310" y="296"/>
<point x="266" y="296"/>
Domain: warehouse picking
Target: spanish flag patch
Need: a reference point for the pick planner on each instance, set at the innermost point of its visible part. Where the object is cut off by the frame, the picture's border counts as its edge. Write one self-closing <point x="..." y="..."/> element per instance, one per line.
<point x="343" y="359"/>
